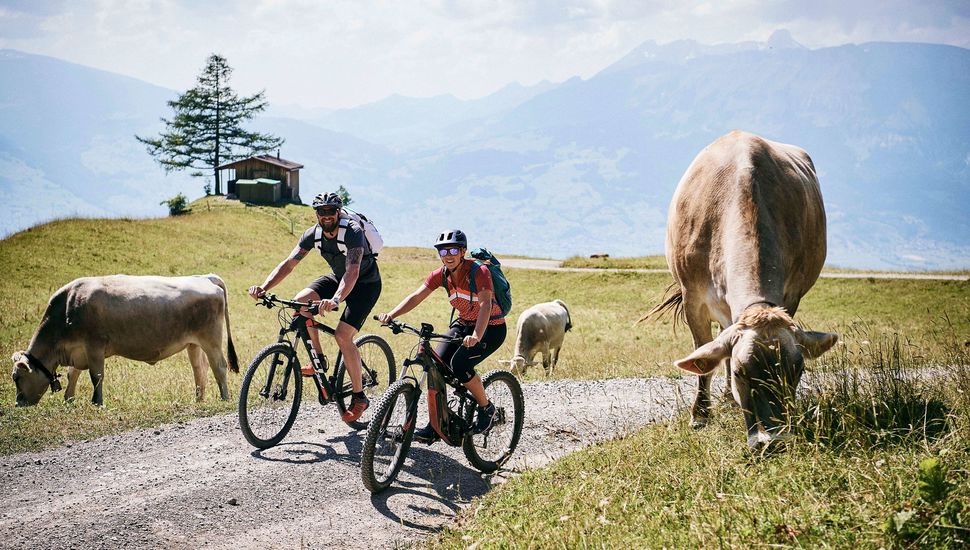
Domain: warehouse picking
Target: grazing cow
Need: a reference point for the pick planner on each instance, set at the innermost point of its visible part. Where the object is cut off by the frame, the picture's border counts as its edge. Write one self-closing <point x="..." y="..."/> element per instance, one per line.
<point x="141" y="318"/>
<point x="745" y="242"/>
<point x="541" y="329"/>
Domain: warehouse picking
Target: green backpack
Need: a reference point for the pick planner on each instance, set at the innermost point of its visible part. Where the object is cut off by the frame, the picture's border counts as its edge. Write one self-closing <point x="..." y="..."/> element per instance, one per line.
<point x="500" y="284"/>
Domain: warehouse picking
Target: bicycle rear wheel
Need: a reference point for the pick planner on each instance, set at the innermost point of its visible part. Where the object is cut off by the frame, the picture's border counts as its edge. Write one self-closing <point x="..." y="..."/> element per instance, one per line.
<point x="389" y="436"/>
<point x="270" y="395"/>
<point x="488" y="451"/>
<point x="377" y="373"/>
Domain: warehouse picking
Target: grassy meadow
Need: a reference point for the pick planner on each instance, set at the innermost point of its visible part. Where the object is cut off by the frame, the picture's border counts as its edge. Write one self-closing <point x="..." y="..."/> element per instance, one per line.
<point x="664" y="486"/>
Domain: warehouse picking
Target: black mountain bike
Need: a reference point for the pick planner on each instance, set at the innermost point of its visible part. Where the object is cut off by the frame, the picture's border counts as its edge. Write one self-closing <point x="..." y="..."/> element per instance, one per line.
<point x="392" y="427"/>
<point x="272" y="388"/>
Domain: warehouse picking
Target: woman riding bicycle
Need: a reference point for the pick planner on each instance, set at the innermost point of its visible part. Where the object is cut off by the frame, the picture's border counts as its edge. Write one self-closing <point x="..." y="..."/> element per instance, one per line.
<point x="478" y="331"/>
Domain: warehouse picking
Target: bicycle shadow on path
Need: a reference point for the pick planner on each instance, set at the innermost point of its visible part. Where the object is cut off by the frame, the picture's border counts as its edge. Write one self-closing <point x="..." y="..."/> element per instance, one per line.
<point x="443" y="480"/>
<point x="309" y="452"/>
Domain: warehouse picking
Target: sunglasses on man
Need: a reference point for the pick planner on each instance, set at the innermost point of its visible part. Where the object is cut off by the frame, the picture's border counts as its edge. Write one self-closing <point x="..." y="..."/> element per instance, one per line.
<point x="326" y="211"/>
<point x="448" y="252"/>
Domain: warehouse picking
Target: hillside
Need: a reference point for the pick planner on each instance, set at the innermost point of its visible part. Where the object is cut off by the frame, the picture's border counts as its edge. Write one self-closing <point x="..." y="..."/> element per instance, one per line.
<point x="183" y="479"/>
<point x="242" y="244"/>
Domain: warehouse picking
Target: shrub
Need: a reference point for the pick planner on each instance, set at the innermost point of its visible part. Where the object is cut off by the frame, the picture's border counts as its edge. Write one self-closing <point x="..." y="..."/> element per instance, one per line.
<point x="176" y="205"/>
<point x="936" y="518"/>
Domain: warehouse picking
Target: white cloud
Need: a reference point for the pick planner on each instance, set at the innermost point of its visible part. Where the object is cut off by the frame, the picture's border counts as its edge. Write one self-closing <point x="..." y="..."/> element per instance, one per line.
<point x="346" y="52"/>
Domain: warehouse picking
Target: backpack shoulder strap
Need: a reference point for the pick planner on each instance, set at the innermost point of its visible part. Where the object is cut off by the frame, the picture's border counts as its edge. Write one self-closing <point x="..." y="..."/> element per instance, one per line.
<point x="472" y="286"/>
<point x="342" y="235"/>
<point x="318" y="238"/>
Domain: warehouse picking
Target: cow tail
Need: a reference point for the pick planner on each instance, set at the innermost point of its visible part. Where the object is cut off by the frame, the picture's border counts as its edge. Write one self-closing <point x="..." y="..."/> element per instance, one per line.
<point x="569" y="318"/>
<point x="673" y="299"/>
<point x="231" y="349"/>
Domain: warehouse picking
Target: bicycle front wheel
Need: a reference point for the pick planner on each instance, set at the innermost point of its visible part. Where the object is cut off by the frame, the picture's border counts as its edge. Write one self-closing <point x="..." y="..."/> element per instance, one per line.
<point x="488" y="451"/>
<point x="270" y="395"/>
<point x="376" y="374"/>
<point x="389" y="436"/>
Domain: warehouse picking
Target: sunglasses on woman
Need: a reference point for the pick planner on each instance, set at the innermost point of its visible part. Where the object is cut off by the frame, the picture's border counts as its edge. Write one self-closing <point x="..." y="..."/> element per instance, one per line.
<point x="448" y="252"/>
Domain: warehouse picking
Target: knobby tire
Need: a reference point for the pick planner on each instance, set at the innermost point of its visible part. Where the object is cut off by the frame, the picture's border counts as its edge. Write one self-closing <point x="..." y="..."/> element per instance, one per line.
<point x="257" y="411"/>
<point x="389" y="435"/>
<point x="488" y="452"/>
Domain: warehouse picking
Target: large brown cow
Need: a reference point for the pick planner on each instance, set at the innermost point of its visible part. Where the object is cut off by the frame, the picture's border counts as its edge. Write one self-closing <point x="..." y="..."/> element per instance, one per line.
<point x="745" y="242"/>
<point x="139" y="317"/>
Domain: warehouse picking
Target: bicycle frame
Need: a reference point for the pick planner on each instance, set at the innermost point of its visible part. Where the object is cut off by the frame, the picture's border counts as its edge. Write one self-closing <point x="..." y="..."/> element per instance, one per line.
<point x="299" y="327"/>
<point x="450" y="425"/>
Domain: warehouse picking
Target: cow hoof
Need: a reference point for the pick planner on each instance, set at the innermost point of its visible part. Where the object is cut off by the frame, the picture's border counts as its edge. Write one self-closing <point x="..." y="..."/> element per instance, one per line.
<point x="765" y="444"/>
<point x="698" y="423"/>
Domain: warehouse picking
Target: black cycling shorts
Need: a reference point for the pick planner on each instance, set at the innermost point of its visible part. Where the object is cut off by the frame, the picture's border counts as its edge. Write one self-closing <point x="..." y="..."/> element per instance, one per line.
<point x="462" y="360"/>
<point x="357" y="306"/>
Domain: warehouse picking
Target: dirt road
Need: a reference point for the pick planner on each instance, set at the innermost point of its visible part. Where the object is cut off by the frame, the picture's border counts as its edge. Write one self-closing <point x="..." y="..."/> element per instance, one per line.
<point x="556" y="265"/>
<point x="200" y="485"/>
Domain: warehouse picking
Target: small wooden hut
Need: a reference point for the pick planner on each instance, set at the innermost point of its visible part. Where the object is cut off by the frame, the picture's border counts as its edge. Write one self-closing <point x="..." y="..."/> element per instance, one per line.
<point x="263" y="179"/>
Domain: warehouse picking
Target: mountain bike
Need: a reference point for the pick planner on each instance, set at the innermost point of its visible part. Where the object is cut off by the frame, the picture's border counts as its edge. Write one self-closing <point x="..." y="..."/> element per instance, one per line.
<point x="272" y="387"/>
<point x="392" y="426"/>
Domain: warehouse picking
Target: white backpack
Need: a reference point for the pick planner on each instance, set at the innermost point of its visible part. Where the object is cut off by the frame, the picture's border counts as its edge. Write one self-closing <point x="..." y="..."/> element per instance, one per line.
<point x="374" y="239"/>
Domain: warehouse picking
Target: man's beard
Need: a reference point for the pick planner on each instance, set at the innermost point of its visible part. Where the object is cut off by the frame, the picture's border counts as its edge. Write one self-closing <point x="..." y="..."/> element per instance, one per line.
<point x="329" y="227"/>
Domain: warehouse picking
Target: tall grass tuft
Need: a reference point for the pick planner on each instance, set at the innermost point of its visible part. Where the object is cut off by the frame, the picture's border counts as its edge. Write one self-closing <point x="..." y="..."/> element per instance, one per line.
<point x="878" y="396"/>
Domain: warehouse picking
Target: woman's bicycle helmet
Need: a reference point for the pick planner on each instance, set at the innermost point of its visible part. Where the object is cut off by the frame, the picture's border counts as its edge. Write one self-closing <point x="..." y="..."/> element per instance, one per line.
<point x="452" y="237"/>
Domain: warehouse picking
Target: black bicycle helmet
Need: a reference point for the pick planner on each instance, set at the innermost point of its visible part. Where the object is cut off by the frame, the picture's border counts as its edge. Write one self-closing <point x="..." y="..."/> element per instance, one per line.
<point x="328" y="199"/>
<point x="452" y="237"/>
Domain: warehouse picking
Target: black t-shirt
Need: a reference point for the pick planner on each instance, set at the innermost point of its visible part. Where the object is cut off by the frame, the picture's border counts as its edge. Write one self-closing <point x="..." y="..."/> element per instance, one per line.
<point x="353" y="238"/>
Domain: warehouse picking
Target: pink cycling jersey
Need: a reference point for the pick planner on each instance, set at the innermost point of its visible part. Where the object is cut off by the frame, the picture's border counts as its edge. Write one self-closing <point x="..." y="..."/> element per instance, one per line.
<point x="460" y="294"/>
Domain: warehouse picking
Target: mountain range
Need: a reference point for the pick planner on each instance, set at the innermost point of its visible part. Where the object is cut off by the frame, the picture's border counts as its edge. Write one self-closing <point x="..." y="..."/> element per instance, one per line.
<point x="555" y="169"/>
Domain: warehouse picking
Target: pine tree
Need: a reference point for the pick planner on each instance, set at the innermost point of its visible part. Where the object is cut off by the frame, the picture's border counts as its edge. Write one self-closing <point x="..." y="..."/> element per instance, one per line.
<point x="205" y="130"/>
<point x="344" y="195"/>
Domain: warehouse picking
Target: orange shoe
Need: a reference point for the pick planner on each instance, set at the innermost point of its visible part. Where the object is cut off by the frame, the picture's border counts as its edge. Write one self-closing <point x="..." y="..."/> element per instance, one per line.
<point x="357" y="407"/>
<point x="307" y="370"/>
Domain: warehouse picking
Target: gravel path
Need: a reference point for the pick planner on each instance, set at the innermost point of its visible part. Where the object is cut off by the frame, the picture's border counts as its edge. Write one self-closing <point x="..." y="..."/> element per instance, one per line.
<point x="556" y="265"/>
<point x="200" y="485"/>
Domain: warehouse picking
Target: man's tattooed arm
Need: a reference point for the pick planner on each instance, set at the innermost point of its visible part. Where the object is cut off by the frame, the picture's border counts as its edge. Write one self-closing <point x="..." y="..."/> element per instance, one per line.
<point x="355" y="255"/>
<point x="298" y="254"/>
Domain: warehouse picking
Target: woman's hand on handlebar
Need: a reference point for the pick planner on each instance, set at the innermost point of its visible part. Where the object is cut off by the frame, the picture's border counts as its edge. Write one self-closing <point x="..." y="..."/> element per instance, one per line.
<point x="384" y="318"/>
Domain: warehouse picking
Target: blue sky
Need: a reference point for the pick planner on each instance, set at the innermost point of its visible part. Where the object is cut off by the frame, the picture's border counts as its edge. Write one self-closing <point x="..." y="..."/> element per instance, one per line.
<point x="345" y="53"/>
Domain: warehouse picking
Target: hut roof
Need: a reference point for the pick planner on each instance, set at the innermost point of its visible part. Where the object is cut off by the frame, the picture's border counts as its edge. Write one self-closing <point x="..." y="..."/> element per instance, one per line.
<point x="268" y="159"/>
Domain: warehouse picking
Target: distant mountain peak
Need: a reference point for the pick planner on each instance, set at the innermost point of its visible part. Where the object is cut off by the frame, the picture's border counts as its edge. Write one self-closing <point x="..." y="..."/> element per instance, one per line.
<point x="680" y="51"/>
<point x="781" y="39"/>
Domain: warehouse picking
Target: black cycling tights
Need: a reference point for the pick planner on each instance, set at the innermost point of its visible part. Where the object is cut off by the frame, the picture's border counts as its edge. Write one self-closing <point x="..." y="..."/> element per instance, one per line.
<point x="462" y="360"/>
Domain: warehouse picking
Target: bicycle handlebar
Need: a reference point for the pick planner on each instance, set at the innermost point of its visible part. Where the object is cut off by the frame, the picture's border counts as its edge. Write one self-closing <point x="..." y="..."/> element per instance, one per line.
<point x="270" y="300"/>
<point x="398" y="327"/>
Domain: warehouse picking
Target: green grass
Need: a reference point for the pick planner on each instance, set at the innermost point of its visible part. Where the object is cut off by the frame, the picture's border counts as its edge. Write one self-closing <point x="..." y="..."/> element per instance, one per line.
<point x="876" y="463"/>
<point x="641" y="262"/>
<point x="666" y="485"/>
<point x="242" y="244"/>
<point x="660" y="262"/>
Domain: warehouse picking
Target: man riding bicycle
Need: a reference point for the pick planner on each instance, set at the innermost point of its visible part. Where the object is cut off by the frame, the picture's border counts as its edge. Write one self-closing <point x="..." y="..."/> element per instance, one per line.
<point x="355" y="281"/>
<point x="479" y="329"/>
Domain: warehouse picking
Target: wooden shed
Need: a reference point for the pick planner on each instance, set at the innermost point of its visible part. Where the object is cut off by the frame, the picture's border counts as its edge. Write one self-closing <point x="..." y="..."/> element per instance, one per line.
<point x="264" y="179"/>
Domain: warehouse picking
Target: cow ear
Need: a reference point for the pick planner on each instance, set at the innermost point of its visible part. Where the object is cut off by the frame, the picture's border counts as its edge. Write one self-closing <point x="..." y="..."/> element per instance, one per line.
<point x="815" y="343"/>
<point x="707" y="357"/>
<point x="20" y="360"/>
